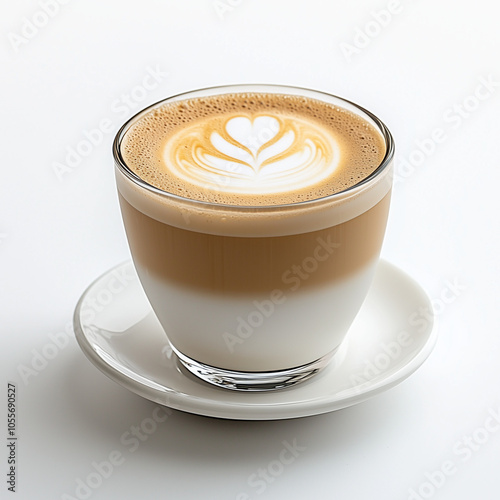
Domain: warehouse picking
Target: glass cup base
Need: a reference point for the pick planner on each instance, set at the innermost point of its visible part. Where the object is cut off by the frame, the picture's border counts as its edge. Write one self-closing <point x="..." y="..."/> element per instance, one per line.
<point x="253" y="381"/>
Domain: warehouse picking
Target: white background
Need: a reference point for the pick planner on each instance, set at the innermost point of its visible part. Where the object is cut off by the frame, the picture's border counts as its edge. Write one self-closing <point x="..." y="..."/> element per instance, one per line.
<point x="418" y="73"/>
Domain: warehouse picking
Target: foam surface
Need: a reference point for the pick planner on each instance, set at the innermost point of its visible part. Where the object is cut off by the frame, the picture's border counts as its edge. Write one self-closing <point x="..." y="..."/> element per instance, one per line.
<point x="252" y="149"/>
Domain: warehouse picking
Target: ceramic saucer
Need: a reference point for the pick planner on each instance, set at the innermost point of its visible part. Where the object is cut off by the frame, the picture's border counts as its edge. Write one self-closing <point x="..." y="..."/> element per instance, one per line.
<point x="389" y="339"/>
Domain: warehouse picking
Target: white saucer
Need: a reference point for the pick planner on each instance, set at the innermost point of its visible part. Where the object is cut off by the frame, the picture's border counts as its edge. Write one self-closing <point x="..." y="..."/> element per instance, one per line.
<point x="388" y="341"/>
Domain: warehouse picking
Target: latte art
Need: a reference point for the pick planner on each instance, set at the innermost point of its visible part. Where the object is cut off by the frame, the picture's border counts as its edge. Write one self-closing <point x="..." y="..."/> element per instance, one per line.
<point x="252" y="149"/>
<point x="252" y="154"/>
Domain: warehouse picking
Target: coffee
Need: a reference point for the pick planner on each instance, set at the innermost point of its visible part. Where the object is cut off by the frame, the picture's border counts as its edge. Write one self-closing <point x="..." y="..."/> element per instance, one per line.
<point x="252" y="149"/>
<point x="255" y="221"/>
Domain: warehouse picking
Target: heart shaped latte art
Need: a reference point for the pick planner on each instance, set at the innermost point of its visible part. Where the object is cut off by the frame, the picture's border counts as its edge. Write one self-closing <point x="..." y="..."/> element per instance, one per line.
<point x="253" y="154"/>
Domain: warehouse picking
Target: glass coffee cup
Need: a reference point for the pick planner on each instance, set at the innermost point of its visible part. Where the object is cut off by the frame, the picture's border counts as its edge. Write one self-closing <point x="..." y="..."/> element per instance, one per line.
<point x="255" y="216"/>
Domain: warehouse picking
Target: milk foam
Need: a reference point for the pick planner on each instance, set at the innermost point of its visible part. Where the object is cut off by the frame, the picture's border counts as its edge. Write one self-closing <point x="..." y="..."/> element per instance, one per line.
<point x="252" y="154"/>
<point x="258" y="157"/>
<point x="252" y="149"/>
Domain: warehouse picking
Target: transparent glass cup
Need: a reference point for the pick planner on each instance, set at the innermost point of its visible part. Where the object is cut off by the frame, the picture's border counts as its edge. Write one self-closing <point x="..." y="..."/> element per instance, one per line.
<point x="256" y="297"/>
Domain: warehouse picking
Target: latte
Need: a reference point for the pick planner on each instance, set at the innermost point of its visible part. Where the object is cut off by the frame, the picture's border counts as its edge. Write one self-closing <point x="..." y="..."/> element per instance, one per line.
<point x="255" y="221"/>
<point x="252" y="149"/>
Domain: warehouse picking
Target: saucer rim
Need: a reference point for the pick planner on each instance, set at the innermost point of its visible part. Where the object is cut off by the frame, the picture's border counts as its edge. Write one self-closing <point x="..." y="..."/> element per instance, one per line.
<point x="234" y="410"/>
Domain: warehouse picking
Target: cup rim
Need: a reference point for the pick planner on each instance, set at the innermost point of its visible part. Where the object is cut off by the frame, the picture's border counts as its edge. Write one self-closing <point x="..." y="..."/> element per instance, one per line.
<point x="241" y="88"/>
